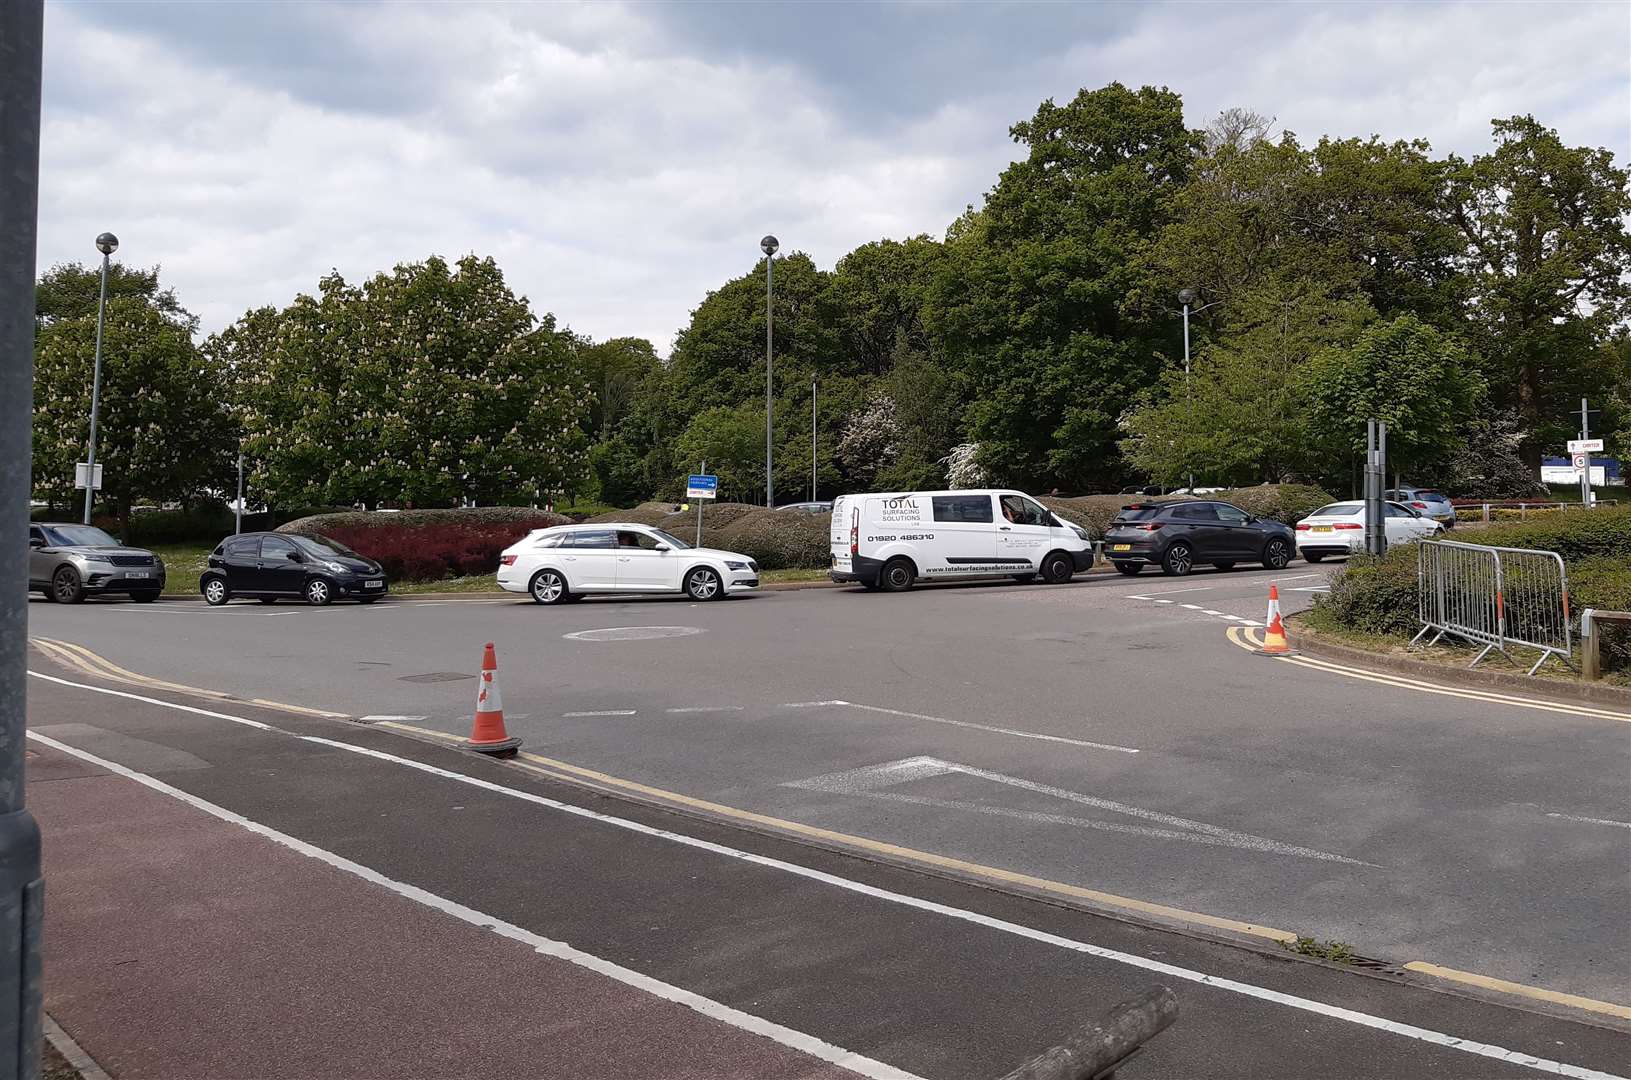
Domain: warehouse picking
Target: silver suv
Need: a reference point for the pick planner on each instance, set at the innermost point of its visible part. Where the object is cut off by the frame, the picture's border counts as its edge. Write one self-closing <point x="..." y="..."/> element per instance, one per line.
<point x="69" y="562"/>
<point x="1427" y="502"/>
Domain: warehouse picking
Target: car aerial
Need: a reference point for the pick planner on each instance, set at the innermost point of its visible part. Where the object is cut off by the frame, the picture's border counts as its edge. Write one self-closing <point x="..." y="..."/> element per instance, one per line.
<point x="70" y="562"/>
<point x="1176" y="536"/>
<point x="889" y="540"/>
<point x="1339" y="528"/>
<point x="1431" y="503"/>
<point x="568" y="562"/>
<point x="274" y="566"/>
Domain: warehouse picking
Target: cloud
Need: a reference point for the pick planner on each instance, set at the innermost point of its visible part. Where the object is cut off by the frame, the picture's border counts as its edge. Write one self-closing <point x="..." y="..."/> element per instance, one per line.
<point x="619" y="161"/>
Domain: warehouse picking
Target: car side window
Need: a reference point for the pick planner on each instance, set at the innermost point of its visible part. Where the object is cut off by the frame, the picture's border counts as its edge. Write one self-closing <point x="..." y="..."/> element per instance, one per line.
<point x="1022" y="511"/>
<point x="965" y="508"/>
<point x="628" y="538"/>
<point x="1194" y="512"/>
<point x="36" y="533"/>
<point x="273" y="548"/>
<point x="591" y="540"/>
<point x="1398" y="512"/>
<point x="549" y="541"/>
<point x="1230" y="515"/>
<point x="243" y="547"/>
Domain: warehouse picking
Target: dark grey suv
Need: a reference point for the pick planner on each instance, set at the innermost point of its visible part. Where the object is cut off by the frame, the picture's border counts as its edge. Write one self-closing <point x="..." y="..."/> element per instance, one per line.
<point x="70" y="562"/>
<point x="1176" y="536"/>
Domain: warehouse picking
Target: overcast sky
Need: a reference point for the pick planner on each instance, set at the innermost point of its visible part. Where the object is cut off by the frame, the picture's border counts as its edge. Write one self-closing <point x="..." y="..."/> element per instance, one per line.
<point x="620" y="160"/>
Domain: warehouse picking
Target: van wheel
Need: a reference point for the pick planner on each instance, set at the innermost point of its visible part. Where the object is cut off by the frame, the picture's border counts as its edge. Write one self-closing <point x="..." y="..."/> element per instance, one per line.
<point x="898" y="574"/>
<point x="1057" y="568"/>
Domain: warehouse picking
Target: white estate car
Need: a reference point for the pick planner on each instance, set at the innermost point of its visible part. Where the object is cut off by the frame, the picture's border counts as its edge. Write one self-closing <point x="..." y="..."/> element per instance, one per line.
<point x="567" y="562"/>
<point x="1339" y="529"/>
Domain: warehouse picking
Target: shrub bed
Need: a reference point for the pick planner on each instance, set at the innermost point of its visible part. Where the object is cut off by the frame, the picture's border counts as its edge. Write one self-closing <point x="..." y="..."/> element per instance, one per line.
<point x="1285" y="503"/>
<point x="1095" y="512"/>
<point x="429" y="545"/>
<point x="777" y="539"/>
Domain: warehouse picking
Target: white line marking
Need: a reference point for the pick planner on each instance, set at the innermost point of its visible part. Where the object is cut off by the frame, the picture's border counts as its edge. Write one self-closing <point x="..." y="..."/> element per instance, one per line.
<point x="399" y="719"/>
<point x="1166" y="601"/>
<point x="603" y="712"/>
<point x="811" y="704"/>
<point x="1172" y="592"/>
<point x="971" y="724"/>
<point x="1192" y="607"/>
<point x="867" y="780"/>
<point x="797" y="1040"/>
<point x="1139" y="596"/>
<point x="1250" y="990"/>
<point x="705" y="709"/>
<point x="1220" y="614"/>
<point x="157" y="701"/>
<point x="1297" y="577"/>
<point x="1311" y="588"/>
<point x="1592" y="820"/>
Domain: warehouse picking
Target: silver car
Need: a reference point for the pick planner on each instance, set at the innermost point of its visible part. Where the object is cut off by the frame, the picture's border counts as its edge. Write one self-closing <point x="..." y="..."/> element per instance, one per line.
<point x="70" y="562"/>
<point x="1429" y="503"/>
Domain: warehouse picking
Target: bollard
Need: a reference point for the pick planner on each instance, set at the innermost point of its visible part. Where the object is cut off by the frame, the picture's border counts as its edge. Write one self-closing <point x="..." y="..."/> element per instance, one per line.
<point x="1095" y="1049"/>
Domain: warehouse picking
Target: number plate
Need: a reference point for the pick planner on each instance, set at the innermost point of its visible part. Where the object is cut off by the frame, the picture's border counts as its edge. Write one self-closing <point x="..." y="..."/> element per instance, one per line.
<point x="1322" y="528"/>
<point x="373" y="584"/>
<point x="1121" y="547"/>
<point x="137" y="573"/>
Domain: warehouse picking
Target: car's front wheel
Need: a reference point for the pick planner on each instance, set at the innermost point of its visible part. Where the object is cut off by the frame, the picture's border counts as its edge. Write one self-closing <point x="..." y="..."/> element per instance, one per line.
<point x="703" y="584"/>
<point x="318" y="592"/>
<point x="1276" y="554"/>
<point x="1178" y="561"/>
<point x="548" y="587"/>
<point x="66" y="588"/>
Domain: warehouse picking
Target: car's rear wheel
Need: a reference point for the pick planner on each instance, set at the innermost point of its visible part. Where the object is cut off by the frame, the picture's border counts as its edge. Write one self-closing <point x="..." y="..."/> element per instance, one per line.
<point x="548" y="587"/>
<point x="898" y="574"/>
<point x="1276" y="554"/>
<point x="146" y="596"/>
<point x="1129" y="568"/>
<point x="216" y="592"/>
<point x="1313" y="556"/>
<point x="318" y="592"/>
<point x="1179" y="560"/>
<point x="1057" y="568"/>
<point x="66" y="588"/>
<point x="703" y="584"/>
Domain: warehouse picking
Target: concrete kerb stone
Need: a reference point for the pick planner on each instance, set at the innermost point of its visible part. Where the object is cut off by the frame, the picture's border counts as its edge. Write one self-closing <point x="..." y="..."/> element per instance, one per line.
<point x="71" y="1051"/>
<point x="1316" y="643"/>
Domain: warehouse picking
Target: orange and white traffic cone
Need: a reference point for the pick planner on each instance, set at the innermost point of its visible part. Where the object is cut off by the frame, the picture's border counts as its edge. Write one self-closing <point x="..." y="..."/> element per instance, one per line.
<point x="487" y="735"/>
<point x="1274" y="631"/>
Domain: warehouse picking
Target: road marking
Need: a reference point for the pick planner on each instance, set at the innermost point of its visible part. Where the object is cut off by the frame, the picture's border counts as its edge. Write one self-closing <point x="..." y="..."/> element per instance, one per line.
<point x="244" y="720"/>
<point x="1191" y="607"/>
<point x="1297" y="577"/>
<point x="1241" y="637"/>
<point x="1168" y="592"/>
<point x="1219" y="614"/>
<point x="1162" y="601"/>
<point x="560" y="950"/>
<point x="602" y="712"/>
<point x="705" y="709"/>
<point x="1535" y="992"/>
<point x="1244" y="989"/>
<point x="1592" y="820"/>
<point x="867" y="781"/>
<point x="1311" y="588"/>
<point x="380" y="717"/>
<point x="963" y="724"/>
<point x="633" y="633"/>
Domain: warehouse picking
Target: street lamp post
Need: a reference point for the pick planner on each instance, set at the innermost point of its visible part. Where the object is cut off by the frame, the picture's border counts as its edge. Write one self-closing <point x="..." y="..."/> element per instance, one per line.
<point x="107" y="244"/>
<point x="768" y="245"/>
<point x="812" y="438"/>
<point x="1186" y="297"/>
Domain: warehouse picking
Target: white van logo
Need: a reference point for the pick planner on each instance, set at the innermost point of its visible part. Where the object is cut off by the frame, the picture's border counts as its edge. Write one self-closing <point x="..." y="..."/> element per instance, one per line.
<point x="900" y="510"/>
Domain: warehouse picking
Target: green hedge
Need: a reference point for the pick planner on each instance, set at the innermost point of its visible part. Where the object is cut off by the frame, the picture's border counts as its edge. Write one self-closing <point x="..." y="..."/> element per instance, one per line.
<point x="778" y="539"/>
<point x="1286" y="503"/>
<point x="1573" y="534"/>
<point x="1095" y="512"/>
<point x="413" y="519"/>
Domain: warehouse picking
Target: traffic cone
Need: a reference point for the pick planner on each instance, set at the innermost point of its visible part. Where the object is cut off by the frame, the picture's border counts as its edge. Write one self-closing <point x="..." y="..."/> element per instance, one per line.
<point x="1274" y="632"/>
<point x="488" y="736"/>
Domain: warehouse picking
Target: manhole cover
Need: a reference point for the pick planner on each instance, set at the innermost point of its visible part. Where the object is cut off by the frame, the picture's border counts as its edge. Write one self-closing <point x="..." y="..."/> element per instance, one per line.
<point x="436" y="676"/>
<point x="632" y="633"/>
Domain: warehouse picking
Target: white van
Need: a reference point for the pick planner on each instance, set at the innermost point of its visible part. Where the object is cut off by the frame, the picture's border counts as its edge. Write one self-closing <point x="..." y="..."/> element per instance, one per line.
<point x="888" y="541"/>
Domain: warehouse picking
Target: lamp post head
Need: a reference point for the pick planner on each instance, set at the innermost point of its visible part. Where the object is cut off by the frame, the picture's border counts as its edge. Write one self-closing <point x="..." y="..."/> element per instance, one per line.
<point x="107" y="243"/>
<point x="769" y="245"/>
<point x="1186" y="297"/>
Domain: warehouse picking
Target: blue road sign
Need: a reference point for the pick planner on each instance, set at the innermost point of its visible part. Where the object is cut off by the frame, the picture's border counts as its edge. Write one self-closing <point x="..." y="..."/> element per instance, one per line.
<point x="701" y="487"/>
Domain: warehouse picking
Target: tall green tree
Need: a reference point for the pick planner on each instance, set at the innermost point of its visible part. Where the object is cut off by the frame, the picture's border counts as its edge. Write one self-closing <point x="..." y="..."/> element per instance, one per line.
<point x="1546" y="251"/>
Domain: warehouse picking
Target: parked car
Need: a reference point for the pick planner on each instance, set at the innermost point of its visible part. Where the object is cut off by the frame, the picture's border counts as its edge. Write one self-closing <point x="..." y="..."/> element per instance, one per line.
<point x="568" y="562"/>
<point x="70" y="562"/>
<point x="274" y="566"/>
<point x="1339" y="528"/>
<point x="1432" y="504"/>
<point x="1178" y="536"/>
<point x="819" y="507"/>
<point x="889" y="541"/>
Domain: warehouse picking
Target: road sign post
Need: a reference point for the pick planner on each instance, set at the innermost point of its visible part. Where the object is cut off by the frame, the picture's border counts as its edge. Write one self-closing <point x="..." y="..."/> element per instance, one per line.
<point x="700" y="486"/>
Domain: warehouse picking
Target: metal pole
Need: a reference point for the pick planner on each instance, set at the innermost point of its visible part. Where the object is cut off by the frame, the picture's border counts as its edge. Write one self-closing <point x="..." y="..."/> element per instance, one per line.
<point x="1189" y="399"/>
<point x="1585" y="474"/>
<point x="701" y="472"/>
<point x="96" y="392"/>
<point x="812" y="438"/>
<point x="238" y="517"/>
<point x="21" y="890"/>
<point x="770" y="484"/>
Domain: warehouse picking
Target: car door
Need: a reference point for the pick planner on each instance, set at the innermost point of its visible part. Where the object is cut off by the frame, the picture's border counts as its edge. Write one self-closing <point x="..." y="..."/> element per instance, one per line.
<point x="1237" y="536"/>
<point x="1403" y="526"/>
<point x="240" y="561"/>
<point x="590" y="560"/>
<point x="641" y="567"/>
<point x="1025" y="534"/>
<point x="964" y="542"/>
<point x="1197" y="523"/>
<point x="281" y="569"/>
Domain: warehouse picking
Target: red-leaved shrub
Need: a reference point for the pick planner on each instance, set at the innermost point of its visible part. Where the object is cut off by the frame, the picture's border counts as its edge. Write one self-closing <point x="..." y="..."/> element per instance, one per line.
<point x="430" y="552"/>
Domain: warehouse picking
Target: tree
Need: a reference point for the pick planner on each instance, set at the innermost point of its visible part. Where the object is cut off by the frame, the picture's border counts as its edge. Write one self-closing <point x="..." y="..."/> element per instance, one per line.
<point x="1423" y="384"/>
<point x="164" y="428"/>
<point x="618" y="372"/>
<point x="731" y="442"/>
<point x="429" y="385"/>
<point x="871" y="441"/>
<point x="619" y="473"/>
<point x="1546" y="253"/>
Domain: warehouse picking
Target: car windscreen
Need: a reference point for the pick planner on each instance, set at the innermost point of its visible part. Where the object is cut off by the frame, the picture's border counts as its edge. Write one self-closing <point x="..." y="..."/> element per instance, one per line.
<point x="1339" y="510"/>
<point x="323" y="547"/>
<point x="670" y="539"/>
<point x="78" y="536"/>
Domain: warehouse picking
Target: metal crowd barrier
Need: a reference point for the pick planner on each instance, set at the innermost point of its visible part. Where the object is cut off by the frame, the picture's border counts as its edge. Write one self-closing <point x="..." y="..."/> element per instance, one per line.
<point x="1495" y="597"/>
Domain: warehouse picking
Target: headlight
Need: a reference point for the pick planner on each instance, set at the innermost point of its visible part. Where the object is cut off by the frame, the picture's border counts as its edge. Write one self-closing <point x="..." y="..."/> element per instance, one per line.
<point x="96" y="558"/>
<point x="735" y="565"/>
<point x="1081" y="532"/>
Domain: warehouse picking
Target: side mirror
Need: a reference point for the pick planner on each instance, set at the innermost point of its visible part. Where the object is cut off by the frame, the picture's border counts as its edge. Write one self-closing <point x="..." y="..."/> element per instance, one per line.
<point x="660" y="547"/>
<point x="294" y="556"/>
<point x="36" y="541"/>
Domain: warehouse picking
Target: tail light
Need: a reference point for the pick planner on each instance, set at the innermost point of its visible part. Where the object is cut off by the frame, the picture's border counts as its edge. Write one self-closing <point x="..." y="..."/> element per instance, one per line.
<point x="1419" y="505"/>
<point x="1348" y="525"/>
<point x="855" y="533"/>
<point x="1144" y="526"/>
<point x="506" y="560"/>
<point x="1302" y="527"/>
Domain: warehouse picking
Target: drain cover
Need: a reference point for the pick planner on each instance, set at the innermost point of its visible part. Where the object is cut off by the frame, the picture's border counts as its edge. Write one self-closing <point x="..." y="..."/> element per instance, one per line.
<point x="632" y="633"/>
<point x="436" y="676"/>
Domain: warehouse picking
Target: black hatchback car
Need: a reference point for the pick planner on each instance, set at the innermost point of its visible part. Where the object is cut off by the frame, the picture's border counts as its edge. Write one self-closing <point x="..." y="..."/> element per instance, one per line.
<point x="273" y="566"/>
<point x="1177" y="535"/>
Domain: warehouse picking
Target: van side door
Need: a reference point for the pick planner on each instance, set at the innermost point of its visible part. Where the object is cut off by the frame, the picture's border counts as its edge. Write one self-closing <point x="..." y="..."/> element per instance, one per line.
<point x="964" y="542"/>
<point x="1024" y="535"/>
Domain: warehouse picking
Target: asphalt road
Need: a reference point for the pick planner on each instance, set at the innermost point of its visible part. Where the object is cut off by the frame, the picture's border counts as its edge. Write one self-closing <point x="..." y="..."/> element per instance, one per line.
<point x="1106" y="736"/>
<point x="241" y="892"/>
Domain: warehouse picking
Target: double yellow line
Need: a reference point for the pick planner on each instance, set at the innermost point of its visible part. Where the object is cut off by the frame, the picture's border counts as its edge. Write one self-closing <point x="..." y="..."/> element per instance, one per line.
<point x="82" y="659"/>
<point x="1252" y="640"/>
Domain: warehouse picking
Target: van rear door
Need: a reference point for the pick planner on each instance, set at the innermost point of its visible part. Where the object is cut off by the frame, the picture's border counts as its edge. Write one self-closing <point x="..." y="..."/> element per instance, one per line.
<point x="843" y="513"/>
